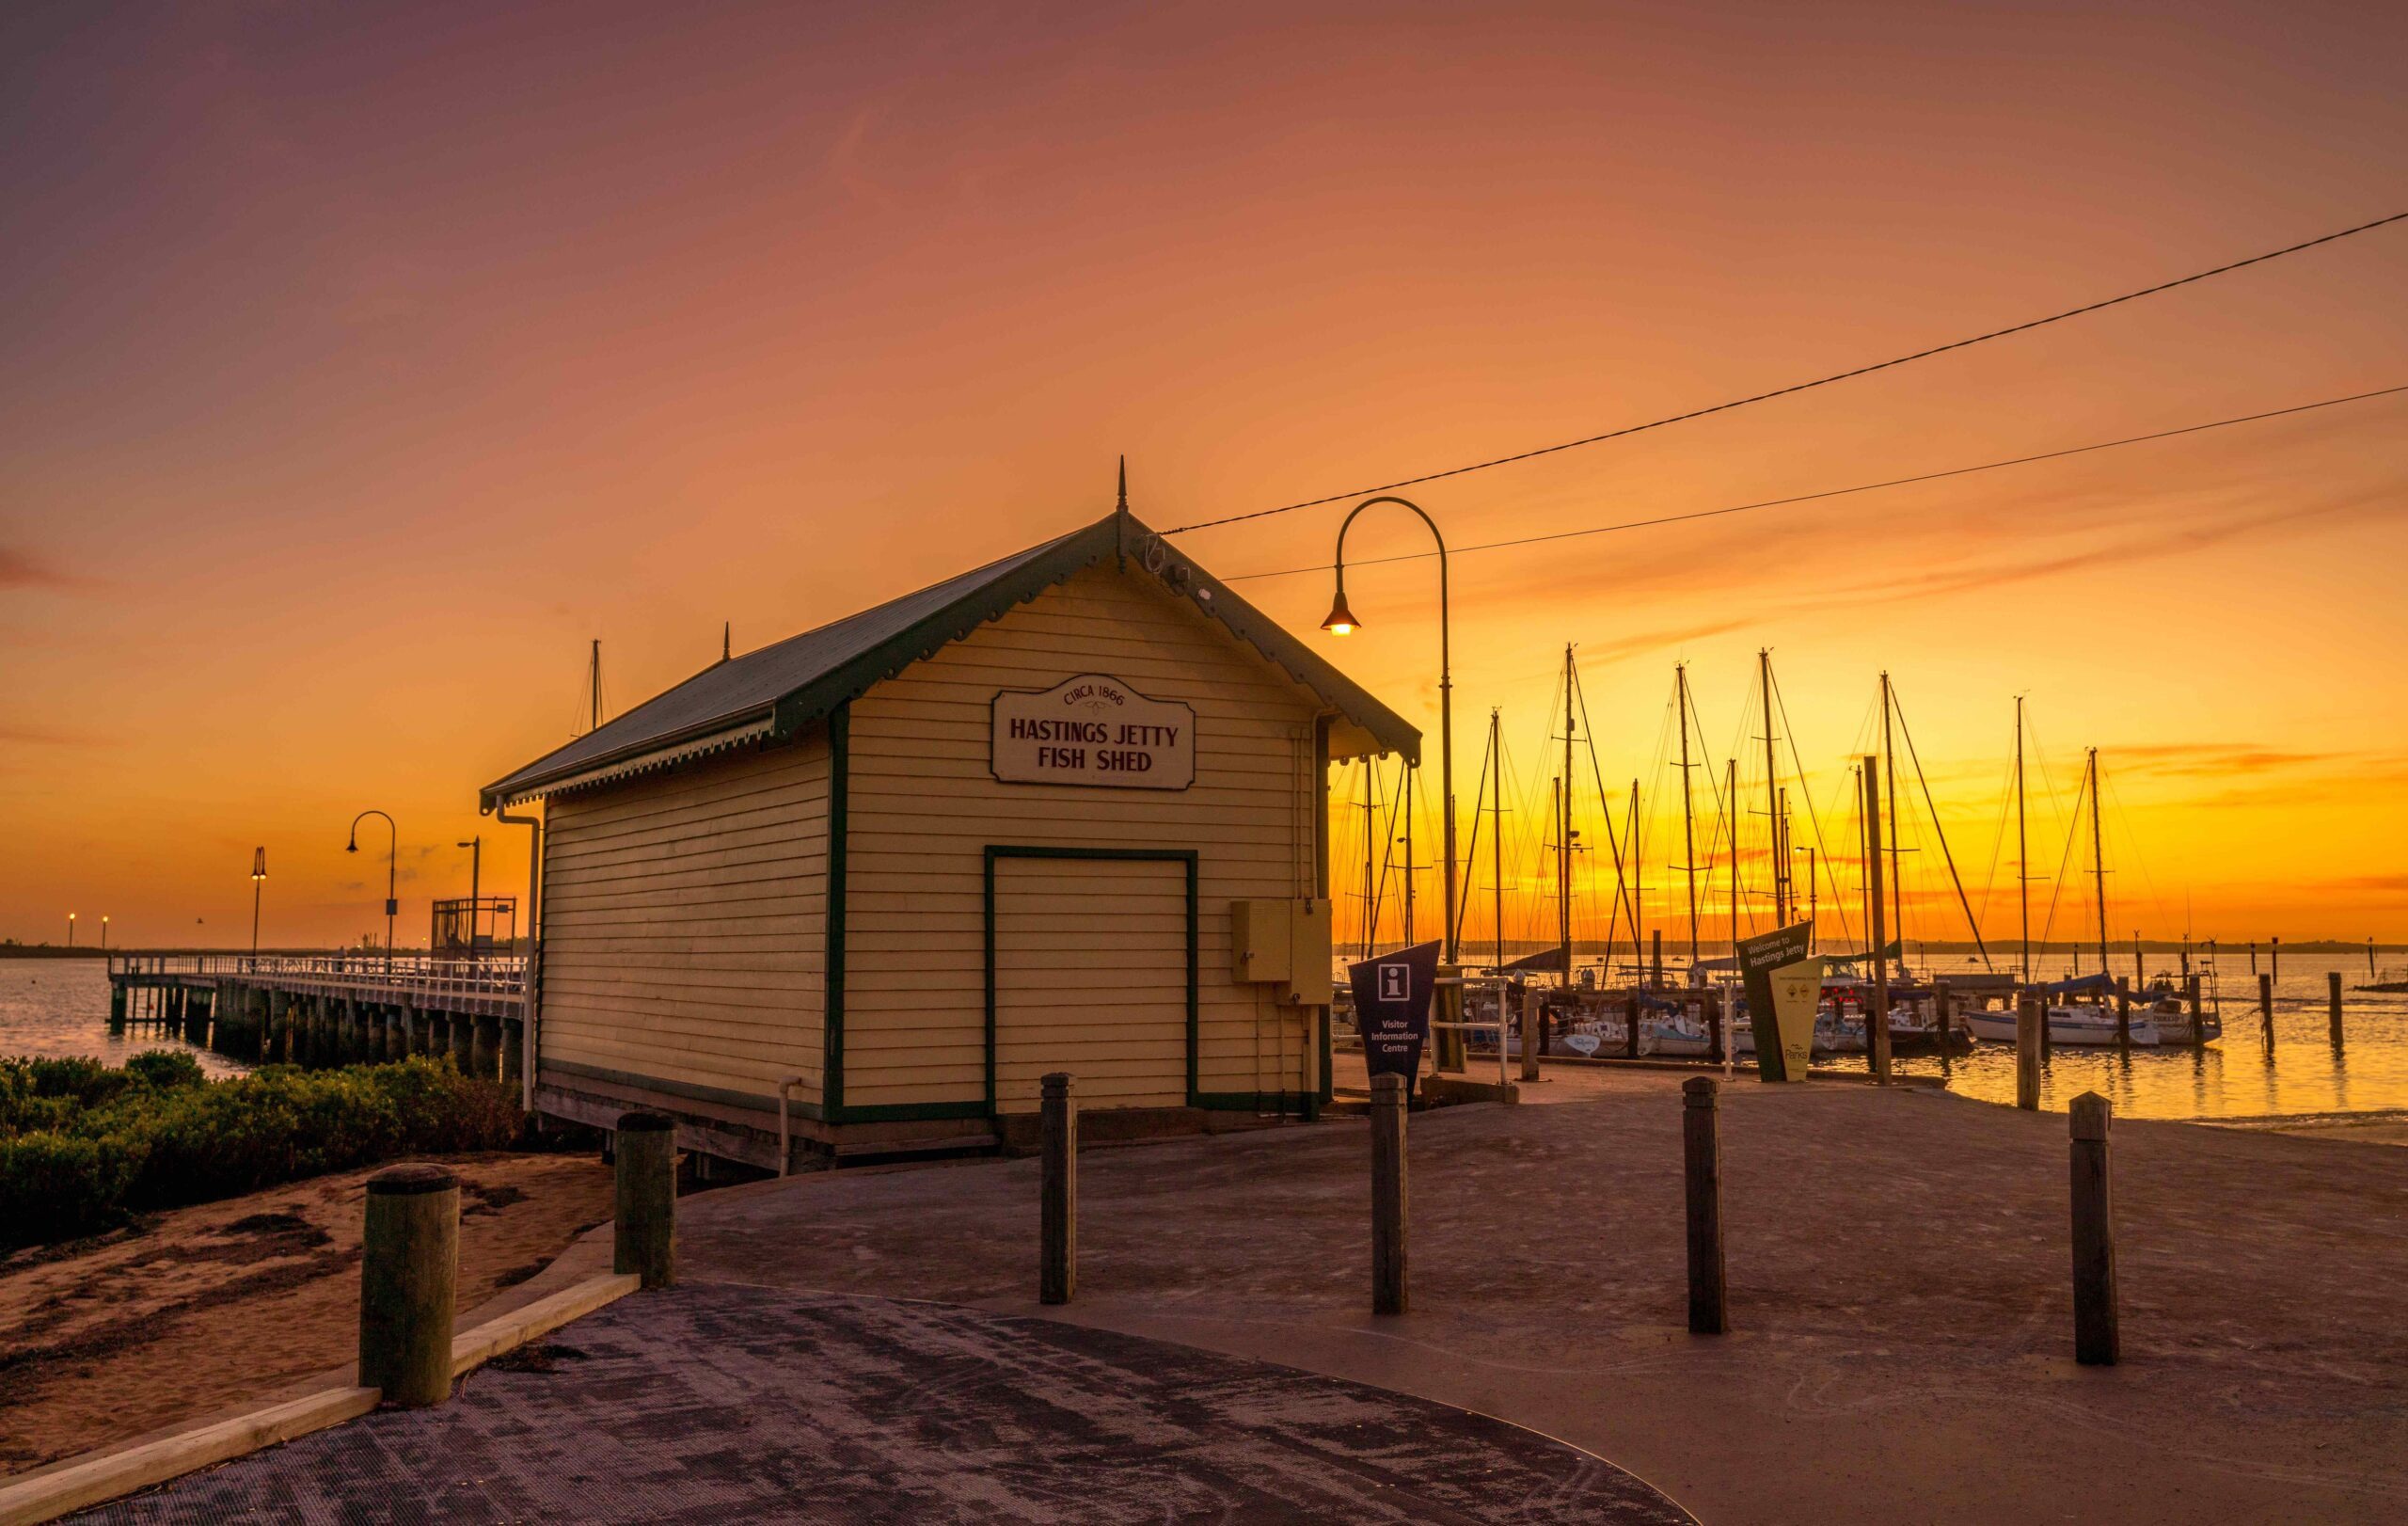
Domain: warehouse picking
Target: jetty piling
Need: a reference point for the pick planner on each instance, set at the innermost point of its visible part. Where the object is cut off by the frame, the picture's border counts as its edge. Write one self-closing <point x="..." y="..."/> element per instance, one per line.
<point x="2096" y="1341"/>
<point x="2124" y="1013"/>
<point x="408" y="1272"/>
<point x="645" y="1238"/>
<point x="1389" y="1222"/>
<point x="1531" y="1040"/>
<point x="1702" y="1163"/>
<point x="2199" y="1013"/>
<point x="1058" y="1271"/>
<point x="2266" y="1008"/>
<point x="2333" y="1005"/>
<point x="2031" y="1020"/>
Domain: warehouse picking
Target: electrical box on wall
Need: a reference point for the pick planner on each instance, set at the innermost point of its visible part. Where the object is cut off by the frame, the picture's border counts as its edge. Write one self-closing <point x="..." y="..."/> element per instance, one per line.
<point x="1308" y="954"/>
<point x="1285" y="943"/>
<point x="1261" y="940"/>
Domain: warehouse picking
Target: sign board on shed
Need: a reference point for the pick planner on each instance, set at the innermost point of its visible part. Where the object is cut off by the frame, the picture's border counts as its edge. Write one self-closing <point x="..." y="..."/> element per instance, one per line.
<point x="1092" y="730"/>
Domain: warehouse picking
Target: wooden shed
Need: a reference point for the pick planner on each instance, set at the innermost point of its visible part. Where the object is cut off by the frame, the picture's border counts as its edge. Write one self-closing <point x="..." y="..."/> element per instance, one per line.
<point x="858" y="890"/>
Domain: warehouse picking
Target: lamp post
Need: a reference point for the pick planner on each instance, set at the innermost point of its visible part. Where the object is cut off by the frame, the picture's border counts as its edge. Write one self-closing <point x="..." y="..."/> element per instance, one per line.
<point x="71" y="929"/>
<point x="392" y="852"/>
<point x="259" y="878"/>
<point x="1342" y="622"/>
<point x="476" y="847"/>
<point x="104" y="932"/>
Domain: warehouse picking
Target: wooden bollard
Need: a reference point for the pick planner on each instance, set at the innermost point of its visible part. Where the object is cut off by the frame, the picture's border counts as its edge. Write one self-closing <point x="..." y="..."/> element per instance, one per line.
<point x="2124" y="1011"/>
<point x="2031" y="1019"/>
<point x="1057" y="1266"/>
<point x="408" y="1270"/>
<point x="1531" y="1041"/>
<point x="1387" y="1195"/>
<point x="644" y="1239"/>
<point x="2266" y="1008"/>
<point x="1701" y="1157"/>
<point x="2095" y="1341"/>
<point x="2333" y="1004"/>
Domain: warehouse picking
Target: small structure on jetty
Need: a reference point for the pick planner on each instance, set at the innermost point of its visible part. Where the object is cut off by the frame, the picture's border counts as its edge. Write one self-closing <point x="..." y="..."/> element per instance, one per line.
<point x="854" y="892"/>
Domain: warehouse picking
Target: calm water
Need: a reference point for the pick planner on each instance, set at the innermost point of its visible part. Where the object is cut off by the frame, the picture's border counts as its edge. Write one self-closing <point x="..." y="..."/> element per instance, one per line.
<point x="60" y="1007"/>
<point x="2234" y="1077"/>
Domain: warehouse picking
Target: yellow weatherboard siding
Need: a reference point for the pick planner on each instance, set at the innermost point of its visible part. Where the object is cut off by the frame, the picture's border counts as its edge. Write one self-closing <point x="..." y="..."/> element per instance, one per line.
<point x="924" y="807"/>
<point x="684" y="921"/>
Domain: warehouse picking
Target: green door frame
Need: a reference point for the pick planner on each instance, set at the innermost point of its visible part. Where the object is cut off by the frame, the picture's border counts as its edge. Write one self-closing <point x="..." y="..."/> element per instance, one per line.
<point x="1184" y="856"/>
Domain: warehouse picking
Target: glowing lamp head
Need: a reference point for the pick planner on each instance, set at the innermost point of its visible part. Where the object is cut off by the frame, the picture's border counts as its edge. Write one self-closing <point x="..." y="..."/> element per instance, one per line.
<point x="1341" y="621"/>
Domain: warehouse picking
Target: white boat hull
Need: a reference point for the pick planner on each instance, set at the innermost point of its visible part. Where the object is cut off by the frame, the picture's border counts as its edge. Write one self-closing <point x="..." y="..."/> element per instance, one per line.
<point x="2078" y="1027"/>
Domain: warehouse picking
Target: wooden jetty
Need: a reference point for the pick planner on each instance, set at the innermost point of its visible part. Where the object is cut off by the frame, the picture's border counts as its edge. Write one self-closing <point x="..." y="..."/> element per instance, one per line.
<point x="321" y="1010"/>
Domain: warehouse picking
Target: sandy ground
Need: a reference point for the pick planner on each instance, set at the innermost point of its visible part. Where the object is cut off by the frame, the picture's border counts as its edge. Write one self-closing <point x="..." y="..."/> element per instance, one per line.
<point x="209" y="1307"/>
<point x="1900" y="1292"/>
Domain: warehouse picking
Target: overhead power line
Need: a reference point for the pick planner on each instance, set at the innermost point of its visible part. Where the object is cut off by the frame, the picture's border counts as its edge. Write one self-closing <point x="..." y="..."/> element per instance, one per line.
<point x="1799" y="387"/>
<point x="1837" y="492"/>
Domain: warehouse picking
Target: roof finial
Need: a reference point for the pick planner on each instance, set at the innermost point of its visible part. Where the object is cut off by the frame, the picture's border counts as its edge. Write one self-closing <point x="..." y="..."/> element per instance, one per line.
<point x="726" y="641"/>
<point x="1120" y="521"/>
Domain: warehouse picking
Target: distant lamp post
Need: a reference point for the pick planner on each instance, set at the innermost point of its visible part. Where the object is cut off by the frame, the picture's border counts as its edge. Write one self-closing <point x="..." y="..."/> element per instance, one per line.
<point x="71" y="929"/>
<point x="1342" y="622"/>
<point x="476" y="847"/>
<point x="259" y="879"/>
<point x="105" y="933"/>
<point x="392" y="852"/>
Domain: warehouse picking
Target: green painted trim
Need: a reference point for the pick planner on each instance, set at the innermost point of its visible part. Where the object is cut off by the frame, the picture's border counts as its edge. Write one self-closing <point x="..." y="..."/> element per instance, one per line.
<point x="831" y="958"/>
<point x="1183" y="857"/>
<point x="905" y="1112"/>
<point x="1243" y="1101"/>
<point x="677" y="1088"/>
<point x="1074" y="553"/>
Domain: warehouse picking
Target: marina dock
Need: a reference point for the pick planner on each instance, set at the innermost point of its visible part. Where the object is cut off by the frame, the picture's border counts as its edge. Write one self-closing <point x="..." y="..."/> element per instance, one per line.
<point x="321" y="1010"/>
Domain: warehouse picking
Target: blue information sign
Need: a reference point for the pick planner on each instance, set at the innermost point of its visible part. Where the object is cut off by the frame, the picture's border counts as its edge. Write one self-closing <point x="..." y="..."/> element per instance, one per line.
<point x="1392" y="1008"/>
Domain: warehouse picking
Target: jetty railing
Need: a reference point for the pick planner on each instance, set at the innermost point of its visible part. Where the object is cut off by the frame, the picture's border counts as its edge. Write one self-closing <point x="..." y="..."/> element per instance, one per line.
<point x="388" y="978"/>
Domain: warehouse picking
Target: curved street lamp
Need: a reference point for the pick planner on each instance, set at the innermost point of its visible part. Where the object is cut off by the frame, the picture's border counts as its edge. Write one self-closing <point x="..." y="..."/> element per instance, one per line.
<point x="1342" y="622"/>
<point x="392" y="852"/>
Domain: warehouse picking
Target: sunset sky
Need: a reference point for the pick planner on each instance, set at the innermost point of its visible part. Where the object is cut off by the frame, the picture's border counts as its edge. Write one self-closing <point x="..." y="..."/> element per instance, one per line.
<point x="362" y="364"/>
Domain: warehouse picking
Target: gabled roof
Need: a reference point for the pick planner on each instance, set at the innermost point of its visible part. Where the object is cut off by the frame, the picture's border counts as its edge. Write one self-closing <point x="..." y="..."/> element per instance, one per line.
<point x="778" y="690"/>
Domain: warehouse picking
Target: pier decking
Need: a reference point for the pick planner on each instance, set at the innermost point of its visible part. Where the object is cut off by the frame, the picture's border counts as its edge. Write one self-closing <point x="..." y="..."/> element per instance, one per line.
<point x="321" y="1010"/>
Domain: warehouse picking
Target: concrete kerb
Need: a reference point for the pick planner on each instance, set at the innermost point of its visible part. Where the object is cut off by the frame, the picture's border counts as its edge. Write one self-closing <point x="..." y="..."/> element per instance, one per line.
<point x="94" y="1478"/>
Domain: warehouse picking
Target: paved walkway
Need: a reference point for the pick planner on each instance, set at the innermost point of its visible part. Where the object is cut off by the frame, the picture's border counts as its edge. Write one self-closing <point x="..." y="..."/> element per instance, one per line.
<point x="715" y="1402"/>
<point x="1899" y="1267"/>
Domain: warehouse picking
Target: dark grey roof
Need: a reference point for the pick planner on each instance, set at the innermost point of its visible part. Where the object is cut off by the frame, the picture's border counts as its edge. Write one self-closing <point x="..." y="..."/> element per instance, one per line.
<point x="790" y="683"/>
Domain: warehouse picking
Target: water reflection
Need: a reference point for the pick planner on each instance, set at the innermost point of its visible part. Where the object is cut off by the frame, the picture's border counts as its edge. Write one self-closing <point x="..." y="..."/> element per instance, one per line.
<point x="2300" y="1074"/>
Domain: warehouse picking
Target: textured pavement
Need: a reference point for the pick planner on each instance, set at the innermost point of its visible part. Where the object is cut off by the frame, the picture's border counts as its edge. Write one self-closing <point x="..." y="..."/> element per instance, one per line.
<point x="715" y="1402"/>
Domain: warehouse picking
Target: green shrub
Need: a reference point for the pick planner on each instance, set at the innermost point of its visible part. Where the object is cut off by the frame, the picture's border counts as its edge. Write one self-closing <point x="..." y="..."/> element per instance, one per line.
<point x="165" y="1070"/>
<point x="56" y="1186"/>
<point x="90" y="1143"/>
<point x="86" y="1081"/>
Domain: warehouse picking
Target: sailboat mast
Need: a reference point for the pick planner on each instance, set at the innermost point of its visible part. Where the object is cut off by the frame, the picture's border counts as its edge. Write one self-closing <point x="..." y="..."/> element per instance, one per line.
<point x="1497" y="844"/>
<point x="2097" y="860"/>
<point x="595" y="673"/>
<point x="1557" y="801"/>
<point x="1563" y="827"/>
<point x="1638" y="889"/>
<point x="1779" y="880"/>
<point x="2023" y="850"/>
<point x="1688" y="824"/>
<point x="1370" y="916"/>
<point x="1731" y="793"/>
<point x="1890" y="789"/>
<point x="1412" y="777"/>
